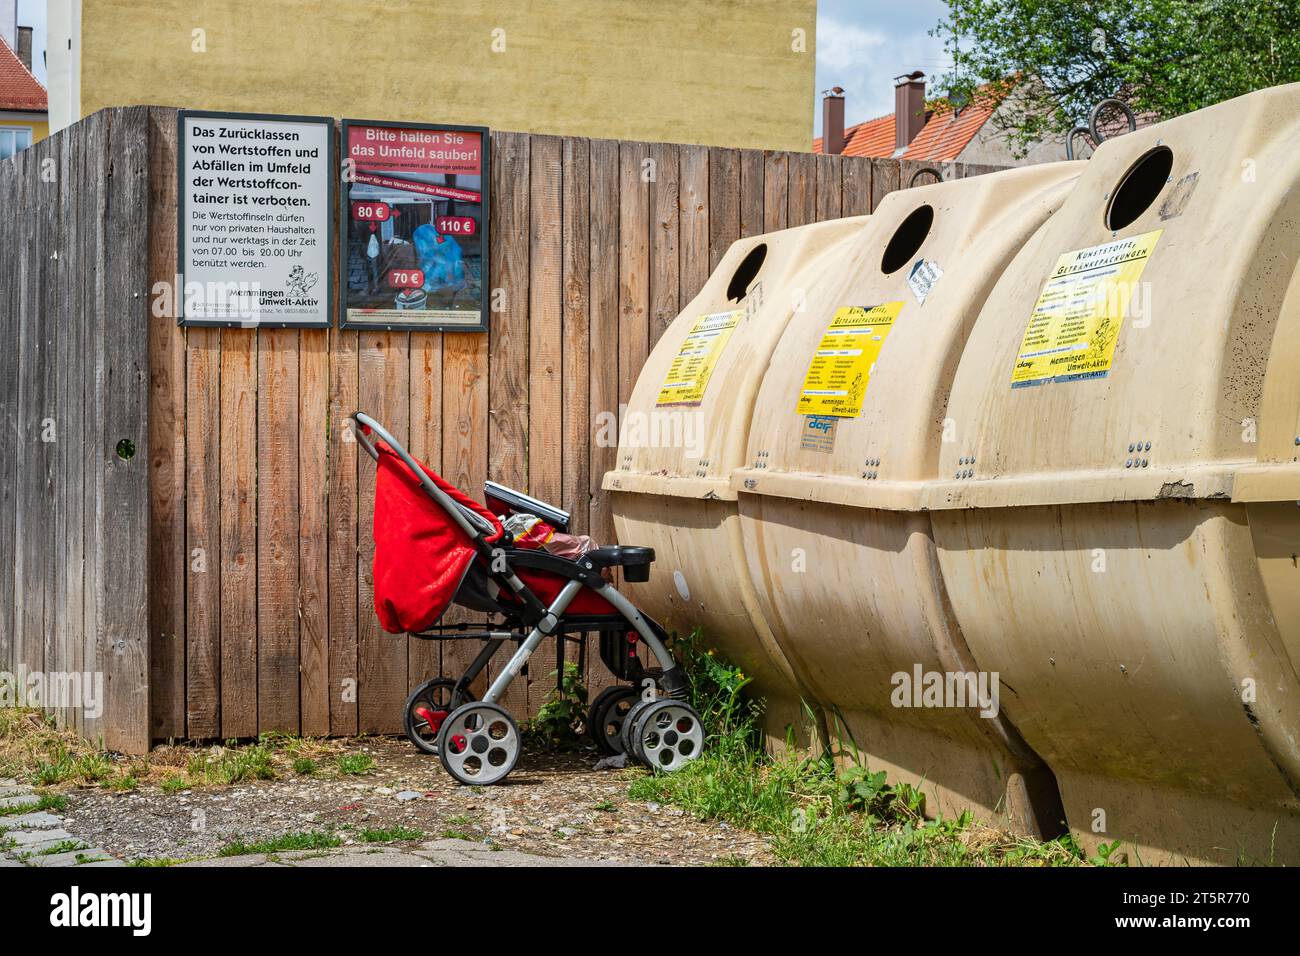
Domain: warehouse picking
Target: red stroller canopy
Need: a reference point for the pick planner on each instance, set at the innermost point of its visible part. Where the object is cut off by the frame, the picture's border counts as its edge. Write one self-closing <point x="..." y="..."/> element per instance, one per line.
<point x="421" y="553"/>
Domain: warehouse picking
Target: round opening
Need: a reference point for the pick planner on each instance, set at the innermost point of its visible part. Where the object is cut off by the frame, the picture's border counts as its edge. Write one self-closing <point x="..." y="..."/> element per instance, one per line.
<point x="907" y="240"/>
<point x="1139" y="187"/>
<point x="126" y="449"/>
<point x="746" y="272"/>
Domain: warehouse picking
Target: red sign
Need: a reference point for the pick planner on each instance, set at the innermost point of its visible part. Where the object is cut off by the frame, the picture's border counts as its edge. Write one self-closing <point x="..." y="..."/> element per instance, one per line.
<point x="371" y="211"/>
<point x="405" y="278"/>
<point x="456" y="225"/>
<point x="399" y="149"/>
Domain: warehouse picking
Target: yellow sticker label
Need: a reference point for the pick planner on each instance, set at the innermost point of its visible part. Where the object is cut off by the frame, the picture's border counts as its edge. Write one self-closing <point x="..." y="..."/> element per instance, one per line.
<point x="688" y="376"/>
<point x="841" y="367"/>
<point x="1075" y="324"/>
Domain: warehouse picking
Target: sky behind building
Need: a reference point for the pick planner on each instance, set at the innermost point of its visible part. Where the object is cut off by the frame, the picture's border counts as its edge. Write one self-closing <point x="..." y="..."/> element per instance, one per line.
<point x="863" y="44"/>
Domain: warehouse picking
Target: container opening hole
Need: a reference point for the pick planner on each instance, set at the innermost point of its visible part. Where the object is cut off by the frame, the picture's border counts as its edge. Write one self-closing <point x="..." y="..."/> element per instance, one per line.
<point x="126" y="449"/>
<point x="907" y="239"/>
<point x="1139" y="187"/>
<point x="746" y="272"/>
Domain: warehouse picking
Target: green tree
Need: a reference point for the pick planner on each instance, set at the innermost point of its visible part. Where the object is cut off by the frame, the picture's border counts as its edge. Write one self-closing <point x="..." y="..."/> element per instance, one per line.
<point x="1163" y="57"/>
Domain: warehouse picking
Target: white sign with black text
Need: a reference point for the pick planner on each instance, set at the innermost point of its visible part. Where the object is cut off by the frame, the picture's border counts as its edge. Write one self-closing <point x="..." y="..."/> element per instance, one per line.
<point x="254" y="213"/>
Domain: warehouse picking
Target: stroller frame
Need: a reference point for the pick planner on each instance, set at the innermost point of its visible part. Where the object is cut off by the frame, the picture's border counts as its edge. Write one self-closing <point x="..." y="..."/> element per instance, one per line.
<point x="530" y="620"/>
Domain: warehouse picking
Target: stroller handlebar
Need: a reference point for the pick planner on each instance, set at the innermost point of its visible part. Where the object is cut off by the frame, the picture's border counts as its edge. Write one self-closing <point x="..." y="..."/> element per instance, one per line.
<point x="472" y="524"/>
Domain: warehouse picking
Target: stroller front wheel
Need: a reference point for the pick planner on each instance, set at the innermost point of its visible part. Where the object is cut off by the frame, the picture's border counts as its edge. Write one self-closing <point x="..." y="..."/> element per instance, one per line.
<point x="479" y="744"/>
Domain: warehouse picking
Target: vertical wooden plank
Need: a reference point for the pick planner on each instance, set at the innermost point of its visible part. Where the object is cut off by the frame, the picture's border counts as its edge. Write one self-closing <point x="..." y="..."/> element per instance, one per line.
<point x="58" y="637"/>
<point x="884" y="180"/>
<point x="801" y="198"/>
<point x="424" y="657"/>
<point x="344" y="550"/>
<point x="575" y="496"/>
<point x="855" y="186"/>
<point x="93" y="214"/>
<point x="545" y="331"/>
<point x="546" y="449"/>
<point x="693" y="236"/>
<point x="508" y="388"/>
<point x="751" y="192"/>
<point x="238" y="444"/>
<point x="166" y="443"/>
<point x="203" y="534"/>
<point x="313" y="518"/>
<point x="36" y="456"/>
<point x="724" y="202"/>
<point x="776" y="190"/>
<point x="633" y="266"/>
<point x="665" y="217"/>
<point x="464" y="452"/>
<point x="603" y="333"/>
<point x="828" y="187"/>
<point x="123" y="530"/>
<point x="384" y="393"/>
<point x="12" y="237"/>
<point x="278" y="698"/>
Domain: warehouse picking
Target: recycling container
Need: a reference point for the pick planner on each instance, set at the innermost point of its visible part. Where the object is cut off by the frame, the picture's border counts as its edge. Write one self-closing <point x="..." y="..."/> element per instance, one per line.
<point x="683" y="432"/>
<point x="846" y="431"/>
<point x="1118" y="516"/>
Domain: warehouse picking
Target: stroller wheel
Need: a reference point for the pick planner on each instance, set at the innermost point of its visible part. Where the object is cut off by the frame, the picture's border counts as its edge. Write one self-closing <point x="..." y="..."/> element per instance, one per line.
<point x="605" y="720"/>
<point x="668" y="734"/>
<point x="478" y="743"/>
<point x="428" y="707"/>
<point x="627" y="736"/>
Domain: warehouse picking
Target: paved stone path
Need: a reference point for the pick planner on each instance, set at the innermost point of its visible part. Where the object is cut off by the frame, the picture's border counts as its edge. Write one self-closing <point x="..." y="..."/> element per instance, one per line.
<point x="35" y="838"/>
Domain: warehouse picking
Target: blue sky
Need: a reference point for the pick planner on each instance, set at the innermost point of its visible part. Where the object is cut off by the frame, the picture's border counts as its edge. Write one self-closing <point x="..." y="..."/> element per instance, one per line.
<point x="31" y="13"/>
<point x="863" y="44"/>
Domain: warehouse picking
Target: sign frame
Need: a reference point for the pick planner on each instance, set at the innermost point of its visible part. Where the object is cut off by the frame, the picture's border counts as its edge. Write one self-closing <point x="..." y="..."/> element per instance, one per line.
<point x="344" y="199"/>
<point x="331" y="202"/>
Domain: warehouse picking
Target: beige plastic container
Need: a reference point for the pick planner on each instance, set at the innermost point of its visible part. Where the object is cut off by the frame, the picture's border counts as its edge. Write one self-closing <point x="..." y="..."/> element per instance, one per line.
<point x="1121" y="548"/>
<point x="671" y="487"/>
<point x="842" y="557"/>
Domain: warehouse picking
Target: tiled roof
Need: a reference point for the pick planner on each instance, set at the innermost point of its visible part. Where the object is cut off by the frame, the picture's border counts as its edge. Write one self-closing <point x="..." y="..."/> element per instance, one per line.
<point x="943" y="137"/>
<point x="19" y="90"/>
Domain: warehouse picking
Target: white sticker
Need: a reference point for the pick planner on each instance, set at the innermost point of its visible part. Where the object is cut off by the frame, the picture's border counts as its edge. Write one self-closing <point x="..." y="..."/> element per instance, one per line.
<point x="679" y="579"/>
<point x="922" y="278"/>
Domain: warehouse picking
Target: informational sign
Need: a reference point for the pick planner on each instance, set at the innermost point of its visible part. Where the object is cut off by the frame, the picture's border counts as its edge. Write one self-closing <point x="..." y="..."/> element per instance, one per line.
<point x="845" y="358"/>
<point x="1076" y="322"/>
<point x="689" y="374"/>
<point x="414" y="225"/>
<point x="255" y="195"/>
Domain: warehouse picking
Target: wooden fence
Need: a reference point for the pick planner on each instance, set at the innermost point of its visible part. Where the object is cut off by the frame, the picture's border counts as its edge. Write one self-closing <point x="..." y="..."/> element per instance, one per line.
<point x="250" y="546"/>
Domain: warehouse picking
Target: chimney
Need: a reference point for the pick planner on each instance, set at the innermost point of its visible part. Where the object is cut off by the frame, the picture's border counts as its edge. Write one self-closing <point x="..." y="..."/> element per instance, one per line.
<point x="24" y="50"/>
<point x="833" y="121"/>
<point x="909" y="109"/>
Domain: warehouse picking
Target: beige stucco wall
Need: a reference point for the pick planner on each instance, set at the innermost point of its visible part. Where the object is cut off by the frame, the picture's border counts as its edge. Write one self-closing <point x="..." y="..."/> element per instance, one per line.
<point x="694" y="71"/>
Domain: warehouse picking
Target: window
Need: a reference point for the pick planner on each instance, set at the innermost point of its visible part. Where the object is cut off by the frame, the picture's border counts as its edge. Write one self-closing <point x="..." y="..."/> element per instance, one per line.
<point x="14" y="139"/>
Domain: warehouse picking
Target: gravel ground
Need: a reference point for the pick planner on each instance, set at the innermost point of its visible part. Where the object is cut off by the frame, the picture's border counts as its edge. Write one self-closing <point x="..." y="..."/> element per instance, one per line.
<point x="551" y="805"/>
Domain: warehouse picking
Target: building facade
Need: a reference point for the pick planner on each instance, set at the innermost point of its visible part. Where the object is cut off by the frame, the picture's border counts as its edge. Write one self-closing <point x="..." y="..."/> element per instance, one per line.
<point x="722" y="72"/>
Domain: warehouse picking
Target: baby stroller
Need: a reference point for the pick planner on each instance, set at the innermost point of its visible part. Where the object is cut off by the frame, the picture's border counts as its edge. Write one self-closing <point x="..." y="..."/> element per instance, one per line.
<point x="435" y="546"/>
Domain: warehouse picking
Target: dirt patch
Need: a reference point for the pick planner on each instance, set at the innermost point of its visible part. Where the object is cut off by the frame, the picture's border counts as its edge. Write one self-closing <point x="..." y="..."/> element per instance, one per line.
<point x="551" y="804"/>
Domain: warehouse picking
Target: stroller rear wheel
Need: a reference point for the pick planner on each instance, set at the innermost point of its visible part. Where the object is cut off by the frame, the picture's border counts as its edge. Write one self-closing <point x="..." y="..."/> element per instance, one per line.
<point x="428" y="707"/>
<point x="479" y="743"/>
<point x="605" y="720"/>
<point x="667" y="734"/>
